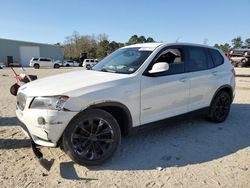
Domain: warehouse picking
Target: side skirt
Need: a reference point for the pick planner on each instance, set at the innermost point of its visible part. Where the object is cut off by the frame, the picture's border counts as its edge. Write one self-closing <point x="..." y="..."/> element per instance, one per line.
<point x="171" y="120"/>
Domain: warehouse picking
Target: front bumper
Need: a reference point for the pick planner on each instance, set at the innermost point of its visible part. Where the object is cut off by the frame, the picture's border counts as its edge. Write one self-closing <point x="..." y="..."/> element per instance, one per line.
<point x="50" y="132"/>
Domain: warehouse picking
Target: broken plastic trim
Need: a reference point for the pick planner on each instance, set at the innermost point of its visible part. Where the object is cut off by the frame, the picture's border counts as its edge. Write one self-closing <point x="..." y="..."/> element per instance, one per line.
<point x="43" y="162"/>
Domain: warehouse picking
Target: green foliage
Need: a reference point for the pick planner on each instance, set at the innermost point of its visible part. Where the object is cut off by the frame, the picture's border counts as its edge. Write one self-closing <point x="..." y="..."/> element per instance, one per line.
<point x="141" y="39"/>
<point x="237" y="42"/>
<point x="95" y="47"/>
<point x="224" y="47"/>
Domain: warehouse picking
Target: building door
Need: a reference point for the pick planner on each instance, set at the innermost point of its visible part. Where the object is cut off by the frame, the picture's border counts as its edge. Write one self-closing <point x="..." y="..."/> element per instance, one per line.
<point x="27" y="52"/>
<point x="10" y="60"/>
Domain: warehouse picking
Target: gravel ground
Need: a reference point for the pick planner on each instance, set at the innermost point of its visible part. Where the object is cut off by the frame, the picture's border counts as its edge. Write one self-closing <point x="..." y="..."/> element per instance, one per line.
<point x="195" y="153"/>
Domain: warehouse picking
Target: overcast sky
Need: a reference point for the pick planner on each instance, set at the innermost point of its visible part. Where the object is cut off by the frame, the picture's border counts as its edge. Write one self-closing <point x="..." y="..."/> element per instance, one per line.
<point x="50" y="21"/>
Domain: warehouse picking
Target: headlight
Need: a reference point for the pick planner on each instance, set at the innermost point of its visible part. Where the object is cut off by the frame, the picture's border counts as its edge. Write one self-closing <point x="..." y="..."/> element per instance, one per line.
<point x="50" y="103"/>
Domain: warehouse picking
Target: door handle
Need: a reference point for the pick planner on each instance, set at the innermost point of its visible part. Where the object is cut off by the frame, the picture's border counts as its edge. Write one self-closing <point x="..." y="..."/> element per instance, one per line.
<point x="183" y="79"/>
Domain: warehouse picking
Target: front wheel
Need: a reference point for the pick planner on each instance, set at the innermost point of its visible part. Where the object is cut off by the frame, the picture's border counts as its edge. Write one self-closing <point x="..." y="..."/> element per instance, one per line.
<point x="220" y="107"/>
<point x="92" y="137"/>
<point x="36" y="66"/>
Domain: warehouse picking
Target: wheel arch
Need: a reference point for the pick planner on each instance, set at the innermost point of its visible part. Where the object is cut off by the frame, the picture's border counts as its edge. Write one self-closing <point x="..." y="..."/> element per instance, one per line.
<point x="226" y="88"/>
<point x="120" y="112"/>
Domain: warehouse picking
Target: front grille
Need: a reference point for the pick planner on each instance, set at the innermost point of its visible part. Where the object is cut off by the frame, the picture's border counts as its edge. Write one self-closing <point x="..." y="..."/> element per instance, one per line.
<point x="21" y="101"/>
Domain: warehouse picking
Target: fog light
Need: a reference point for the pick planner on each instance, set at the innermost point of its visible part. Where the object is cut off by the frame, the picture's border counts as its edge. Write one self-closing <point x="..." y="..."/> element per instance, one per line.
<point x="41" y="121"/>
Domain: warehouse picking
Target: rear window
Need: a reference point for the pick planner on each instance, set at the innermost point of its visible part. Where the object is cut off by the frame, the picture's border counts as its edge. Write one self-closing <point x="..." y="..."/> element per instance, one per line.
<point x="35" y="59"/>
<point x="197" y="59"/>
<point x="216" y="56"/>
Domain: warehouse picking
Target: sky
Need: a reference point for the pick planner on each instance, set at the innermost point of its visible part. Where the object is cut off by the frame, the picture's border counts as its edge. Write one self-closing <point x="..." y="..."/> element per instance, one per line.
<point x="50" y="21"/>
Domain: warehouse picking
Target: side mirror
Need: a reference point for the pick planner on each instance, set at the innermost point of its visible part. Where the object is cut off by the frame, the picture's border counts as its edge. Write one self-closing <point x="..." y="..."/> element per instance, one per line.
<point x="159" y="67"/>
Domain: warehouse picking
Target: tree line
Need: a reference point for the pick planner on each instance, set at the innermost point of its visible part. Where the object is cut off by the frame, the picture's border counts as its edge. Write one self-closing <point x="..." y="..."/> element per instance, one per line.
<point x="96" y="47"/>
<point x="236" y="42"/>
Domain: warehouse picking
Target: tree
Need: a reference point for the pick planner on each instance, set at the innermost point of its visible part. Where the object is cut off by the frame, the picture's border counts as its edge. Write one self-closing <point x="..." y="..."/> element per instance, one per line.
<point x="237" y="42"/>
<point x="141" y="39"/>
<point x="113" y="46"/>
<point x="224" y="47"/>
<point x="102" y="49"/>
<point x="247" y="41"/>
<point x="133" y="40"/>
<point x="95" y="47"/>
<point x="150" y="39"/>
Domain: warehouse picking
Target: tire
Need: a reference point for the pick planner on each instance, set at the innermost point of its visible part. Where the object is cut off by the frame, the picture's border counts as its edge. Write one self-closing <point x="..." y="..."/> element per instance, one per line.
<point x="242" y="63"/>
<point x="56" y="66"/>
<point x="67" y="65"/>
<point x="88" y="67"/>
<point x="220" y="107"/>
<point x="92" y="137"/>
<point x="37" y="66"/>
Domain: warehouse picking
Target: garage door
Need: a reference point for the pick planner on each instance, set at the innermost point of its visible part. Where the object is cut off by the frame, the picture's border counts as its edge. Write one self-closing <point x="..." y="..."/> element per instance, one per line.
<point x="27" y="52"/>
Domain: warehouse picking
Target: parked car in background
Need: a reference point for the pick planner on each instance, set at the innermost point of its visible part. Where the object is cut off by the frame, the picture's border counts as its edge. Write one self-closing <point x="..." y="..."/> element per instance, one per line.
<point x="2" y="65"/>
<point x="38" y="62"/>
<point x="240" y="61"/>
<point x="240" y="57"/>
<point x="89" y="63"/>
<point x="243" y="51"/>
<point x="131" y="89"/>
<point x="70" y="63"/>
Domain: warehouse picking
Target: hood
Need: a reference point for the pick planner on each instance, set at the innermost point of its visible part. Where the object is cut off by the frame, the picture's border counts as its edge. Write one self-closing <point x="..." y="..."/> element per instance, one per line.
<point x="64" y="84"/>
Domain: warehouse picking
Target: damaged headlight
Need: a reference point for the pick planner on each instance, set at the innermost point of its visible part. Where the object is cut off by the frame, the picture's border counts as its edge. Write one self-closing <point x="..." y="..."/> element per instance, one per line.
<point x="49" y="103"/>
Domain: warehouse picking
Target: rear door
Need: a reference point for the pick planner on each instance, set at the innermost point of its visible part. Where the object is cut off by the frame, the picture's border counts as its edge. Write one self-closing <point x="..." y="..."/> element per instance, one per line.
<point x="203" y="77"/>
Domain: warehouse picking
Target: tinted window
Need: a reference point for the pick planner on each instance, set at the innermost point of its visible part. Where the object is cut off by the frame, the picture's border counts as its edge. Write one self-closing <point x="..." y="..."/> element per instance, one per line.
<point x="217" y="57"/>
<point x="174" y="57"/>
<point x="92" y="60"/>
<point x="44" y="59"/>
<point x="197" y="59"/>
<point x="35" y="59"/>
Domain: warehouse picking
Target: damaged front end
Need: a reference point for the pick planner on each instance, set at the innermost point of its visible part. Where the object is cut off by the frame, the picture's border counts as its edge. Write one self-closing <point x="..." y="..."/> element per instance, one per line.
<point x="47" y="164"/>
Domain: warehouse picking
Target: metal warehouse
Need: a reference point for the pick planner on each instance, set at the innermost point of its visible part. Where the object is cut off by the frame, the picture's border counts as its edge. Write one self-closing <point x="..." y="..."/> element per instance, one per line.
<point x="20" y="52"/>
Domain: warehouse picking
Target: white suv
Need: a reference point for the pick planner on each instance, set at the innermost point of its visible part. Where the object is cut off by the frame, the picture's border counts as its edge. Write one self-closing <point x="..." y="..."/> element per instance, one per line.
<point x="89" y="63"/>
<point x="38" y="62"/>
<point x="126" y="92"/>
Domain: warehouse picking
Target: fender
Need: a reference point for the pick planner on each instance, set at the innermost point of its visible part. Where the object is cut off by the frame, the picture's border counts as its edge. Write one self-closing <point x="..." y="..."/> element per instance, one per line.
<point x="226" y="86"/>
<point x="104" y="104"/>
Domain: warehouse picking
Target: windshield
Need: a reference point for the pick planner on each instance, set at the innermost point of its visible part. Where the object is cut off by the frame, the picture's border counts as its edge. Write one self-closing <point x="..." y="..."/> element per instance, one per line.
<point x="124" y="60"/>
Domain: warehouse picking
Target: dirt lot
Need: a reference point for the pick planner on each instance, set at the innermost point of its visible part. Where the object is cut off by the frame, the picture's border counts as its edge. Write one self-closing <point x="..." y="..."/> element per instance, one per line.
<point x="194" y="153"/>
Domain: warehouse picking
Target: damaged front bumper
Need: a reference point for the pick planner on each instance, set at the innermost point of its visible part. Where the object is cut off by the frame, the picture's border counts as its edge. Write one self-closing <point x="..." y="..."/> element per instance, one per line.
<point x="49" y="131"/>
<point x="36" y="150"/>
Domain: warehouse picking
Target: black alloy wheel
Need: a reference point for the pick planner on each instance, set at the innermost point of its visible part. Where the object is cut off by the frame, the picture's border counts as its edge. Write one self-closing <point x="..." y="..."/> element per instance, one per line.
<point x="92" y="138"/>
<point x="220" y="107"/>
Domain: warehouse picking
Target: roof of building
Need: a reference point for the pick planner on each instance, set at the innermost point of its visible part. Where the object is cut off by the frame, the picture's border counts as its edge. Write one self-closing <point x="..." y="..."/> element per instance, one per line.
<point x="31" y="42"/>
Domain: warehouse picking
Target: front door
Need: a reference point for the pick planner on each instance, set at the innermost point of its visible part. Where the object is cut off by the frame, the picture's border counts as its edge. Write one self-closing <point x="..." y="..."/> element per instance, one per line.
<point x="166" y="94"/>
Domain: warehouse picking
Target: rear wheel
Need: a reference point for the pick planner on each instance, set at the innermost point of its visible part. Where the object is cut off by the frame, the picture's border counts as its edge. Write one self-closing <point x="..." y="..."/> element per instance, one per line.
<point x="88" y="67"/>
<point x="220" y="107"/>
<point x="56" y="66"/>
<point x="92" y="137"/>
<point x="36" y="66"/>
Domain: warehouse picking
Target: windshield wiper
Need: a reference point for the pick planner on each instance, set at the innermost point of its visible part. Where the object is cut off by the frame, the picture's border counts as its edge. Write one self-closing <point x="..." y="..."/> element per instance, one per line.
<point x="107" y="70"/>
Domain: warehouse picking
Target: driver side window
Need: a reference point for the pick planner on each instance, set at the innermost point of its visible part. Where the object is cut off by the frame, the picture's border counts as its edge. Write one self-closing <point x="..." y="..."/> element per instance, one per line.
<point x="175" y="58"/>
